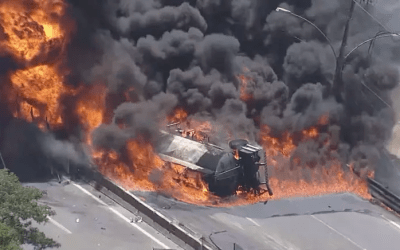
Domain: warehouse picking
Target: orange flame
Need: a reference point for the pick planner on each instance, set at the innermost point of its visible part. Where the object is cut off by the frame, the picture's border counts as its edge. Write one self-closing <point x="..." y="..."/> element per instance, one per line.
<point x="30" y="27"/>
<point x="190" y="127"/>
<point x="40" y="88"/>
<point x="179" y="115"/>
<point x="323" y="181"/>
<point x="310" y="133"/>
<point x="297" y="182"/>
<point x="34" y="30"/>
<point x="91" y="108"/>
<point x="146" y="171"/>
<point x="149" y="173"/>
<point x="244" y="80"/>
<point x="275" y="146"/>
<point x="188" y="186"/>
<point x="236" y="154"/>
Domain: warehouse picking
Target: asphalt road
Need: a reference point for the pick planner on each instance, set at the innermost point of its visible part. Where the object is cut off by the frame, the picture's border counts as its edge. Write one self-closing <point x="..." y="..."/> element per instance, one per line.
<point x="85" y="221"/>
<point x="341" y="221"/>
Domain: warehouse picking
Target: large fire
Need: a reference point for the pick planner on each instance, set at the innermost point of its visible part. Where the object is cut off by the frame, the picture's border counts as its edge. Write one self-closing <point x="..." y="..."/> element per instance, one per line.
<point x="187" y="185"/>
<point x="39" y="89"/>
<point x="91" y="107"/>
<point x="145" y="170"/>
<point x="189" y="127"/>
<point x="32" y="26"/>
<point x="36" y="38"/>
<point x="33" y="33"/>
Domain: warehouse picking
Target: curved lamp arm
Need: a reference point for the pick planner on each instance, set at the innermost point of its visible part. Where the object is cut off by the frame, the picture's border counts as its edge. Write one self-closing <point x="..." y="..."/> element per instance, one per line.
<point x="371" y="45"/>
<point x="369" y="40"/>
<point x="312" y="24"/>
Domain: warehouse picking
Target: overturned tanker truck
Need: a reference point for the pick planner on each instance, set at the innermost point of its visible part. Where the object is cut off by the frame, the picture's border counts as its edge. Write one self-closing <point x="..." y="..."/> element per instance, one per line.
<point x="241" y="167"/>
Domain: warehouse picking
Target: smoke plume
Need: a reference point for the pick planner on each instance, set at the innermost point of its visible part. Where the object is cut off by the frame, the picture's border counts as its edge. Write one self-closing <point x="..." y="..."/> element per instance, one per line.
<point x="195" y="54"/>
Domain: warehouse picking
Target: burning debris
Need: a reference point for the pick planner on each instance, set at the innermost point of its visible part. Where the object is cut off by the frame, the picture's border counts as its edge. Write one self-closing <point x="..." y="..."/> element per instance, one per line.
<point x="85" y="81"/>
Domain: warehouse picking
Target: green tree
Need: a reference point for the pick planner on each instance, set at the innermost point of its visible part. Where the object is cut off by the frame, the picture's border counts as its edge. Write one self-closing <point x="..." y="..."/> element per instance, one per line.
<point x="18" y="209"/>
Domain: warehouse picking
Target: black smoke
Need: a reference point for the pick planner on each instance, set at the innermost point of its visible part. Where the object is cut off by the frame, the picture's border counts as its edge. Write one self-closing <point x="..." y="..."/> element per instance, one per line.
<point x="190" y="54"/>
<point x="194" y="51"/>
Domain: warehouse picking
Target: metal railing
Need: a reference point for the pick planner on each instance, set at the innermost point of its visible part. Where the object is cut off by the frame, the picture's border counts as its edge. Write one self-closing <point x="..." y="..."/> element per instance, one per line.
<point x="384" y="195"/>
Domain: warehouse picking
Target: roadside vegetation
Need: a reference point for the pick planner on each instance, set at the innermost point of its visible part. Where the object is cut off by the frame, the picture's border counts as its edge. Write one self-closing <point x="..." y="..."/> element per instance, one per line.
<point x="18" y="209"/>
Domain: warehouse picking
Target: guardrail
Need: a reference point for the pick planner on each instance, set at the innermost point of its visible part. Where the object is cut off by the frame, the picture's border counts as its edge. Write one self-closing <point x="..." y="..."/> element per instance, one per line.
<point x="149" y="213"/>
<point x="381" y="193"/>
<point x="376" y="189"/>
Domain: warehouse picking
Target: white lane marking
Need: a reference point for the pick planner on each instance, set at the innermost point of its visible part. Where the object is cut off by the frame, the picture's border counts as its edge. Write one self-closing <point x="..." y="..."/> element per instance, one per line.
<point x="121" y="216"/>
<point x="391" y="222"/>
<point x="271" y="240"/>
<point x="253" y="221"/>
<point x="59" y="225"/>
<point x="394" y="224"/>
<point x="336" y="231"/>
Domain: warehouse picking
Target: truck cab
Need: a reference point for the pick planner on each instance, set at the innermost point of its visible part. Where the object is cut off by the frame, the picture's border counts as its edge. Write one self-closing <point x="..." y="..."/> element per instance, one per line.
<point x="241" y="169"/>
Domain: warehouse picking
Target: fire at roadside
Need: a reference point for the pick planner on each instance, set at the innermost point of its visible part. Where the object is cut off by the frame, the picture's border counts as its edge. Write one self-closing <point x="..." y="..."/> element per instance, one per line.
<point x="78" y="88"/>
<point x="144" y="170"/>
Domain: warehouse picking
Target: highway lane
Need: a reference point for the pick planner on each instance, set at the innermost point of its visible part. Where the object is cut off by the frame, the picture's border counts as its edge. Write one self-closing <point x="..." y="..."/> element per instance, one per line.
<point x="86" y="219"/>
<point x="332" y="222"/>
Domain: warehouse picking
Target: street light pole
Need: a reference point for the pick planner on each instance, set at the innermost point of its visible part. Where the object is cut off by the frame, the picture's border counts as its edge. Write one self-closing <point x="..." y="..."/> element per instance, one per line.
<point x="387" y="34"/>
<point x="312" y="24"/>
<point x="371" y="45"/>
<point x="341" y="59"/>
<point x="2" y="161"/>
<point x="369" y="40"/>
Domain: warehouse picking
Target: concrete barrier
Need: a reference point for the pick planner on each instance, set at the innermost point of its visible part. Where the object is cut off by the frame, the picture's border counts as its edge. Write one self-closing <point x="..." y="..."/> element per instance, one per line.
<point x="156" y="217"/>
<point x="381" y="193"/>
<point x="377" y="190"/>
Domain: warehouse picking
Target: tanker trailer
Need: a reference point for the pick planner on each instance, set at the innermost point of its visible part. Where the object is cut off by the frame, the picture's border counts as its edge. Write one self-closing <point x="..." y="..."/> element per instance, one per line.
<point x="242" y="166"/>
